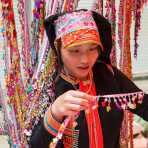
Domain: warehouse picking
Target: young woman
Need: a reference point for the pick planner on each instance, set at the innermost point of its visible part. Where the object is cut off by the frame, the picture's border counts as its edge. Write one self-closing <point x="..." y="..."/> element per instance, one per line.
<point x="81" y="41"/>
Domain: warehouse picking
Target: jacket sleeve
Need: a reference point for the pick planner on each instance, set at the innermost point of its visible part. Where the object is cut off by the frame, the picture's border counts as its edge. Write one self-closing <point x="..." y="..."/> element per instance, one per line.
<point x="41" y="137"/>
<point x="47" y="127"/>
<point x="127" y="86"/>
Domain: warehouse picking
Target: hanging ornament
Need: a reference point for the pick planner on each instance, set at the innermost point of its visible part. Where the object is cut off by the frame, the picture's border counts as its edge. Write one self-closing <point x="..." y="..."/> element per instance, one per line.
<point x="137" y="10"/>
<point x="123" y="103"/>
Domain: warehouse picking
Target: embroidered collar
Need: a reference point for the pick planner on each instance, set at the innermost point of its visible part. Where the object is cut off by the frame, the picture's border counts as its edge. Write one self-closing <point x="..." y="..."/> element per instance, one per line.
<point x="69" y="78"/>
<point x="73" y="80"/>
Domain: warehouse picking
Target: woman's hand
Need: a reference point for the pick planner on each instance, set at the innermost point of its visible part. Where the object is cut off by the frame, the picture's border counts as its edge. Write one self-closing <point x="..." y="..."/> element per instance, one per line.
<point x="70" y="103"/>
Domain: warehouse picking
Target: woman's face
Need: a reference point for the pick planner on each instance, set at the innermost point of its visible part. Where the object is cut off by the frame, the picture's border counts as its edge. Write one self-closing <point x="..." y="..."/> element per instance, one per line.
<point x="79" y="60"/>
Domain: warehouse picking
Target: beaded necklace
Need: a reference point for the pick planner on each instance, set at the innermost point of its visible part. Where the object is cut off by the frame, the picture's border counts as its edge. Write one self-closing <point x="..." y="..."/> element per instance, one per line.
<point x="74" y="81"/>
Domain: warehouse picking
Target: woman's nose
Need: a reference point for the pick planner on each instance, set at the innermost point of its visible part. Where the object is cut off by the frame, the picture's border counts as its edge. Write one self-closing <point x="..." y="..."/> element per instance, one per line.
<point x="85" y="58"/>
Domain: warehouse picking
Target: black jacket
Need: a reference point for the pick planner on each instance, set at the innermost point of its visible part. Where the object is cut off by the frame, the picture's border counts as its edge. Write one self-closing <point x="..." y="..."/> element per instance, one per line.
<point x="106" y="83"/>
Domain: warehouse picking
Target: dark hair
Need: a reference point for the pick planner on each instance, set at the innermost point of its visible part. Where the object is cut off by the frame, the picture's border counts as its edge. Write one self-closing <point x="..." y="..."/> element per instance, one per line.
<point x="59" y="59"/>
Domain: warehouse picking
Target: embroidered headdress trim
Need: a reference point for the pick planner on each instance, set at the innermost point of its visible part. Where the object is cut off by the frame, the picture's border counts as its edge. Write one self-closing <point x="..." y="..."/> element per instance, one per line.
<point x="77" y="27"/>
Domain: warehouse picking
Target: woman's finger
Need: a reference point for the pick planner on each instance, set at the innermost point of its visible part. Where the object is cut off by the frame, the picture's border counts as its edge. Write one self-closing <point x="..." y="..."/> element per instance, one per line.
<point x="75" y="107"/>
<point x="71" y="113"/>
<point x="78" y="101"/>
<point x="83" y="95"/>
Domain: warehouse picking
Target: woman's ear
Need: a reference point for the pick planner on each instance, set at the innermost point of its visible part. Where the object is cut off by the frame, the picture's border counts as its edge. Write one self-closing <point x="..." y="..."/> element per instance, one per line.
<point x="58" y="44"/>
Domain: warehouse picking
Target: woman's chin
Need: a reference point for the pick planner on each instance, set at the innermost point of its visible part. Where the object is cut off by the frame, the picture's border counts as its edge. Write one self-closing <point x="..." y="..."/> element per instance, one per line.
<point x="82" y="76"/>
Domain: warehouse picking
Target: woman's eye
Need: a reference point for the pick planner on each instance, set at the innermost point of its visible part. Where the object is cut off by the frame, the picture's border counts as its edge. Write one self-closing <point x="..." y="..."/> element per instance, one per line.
<point x="93" y="49"/>
<point x="74" y="51"/>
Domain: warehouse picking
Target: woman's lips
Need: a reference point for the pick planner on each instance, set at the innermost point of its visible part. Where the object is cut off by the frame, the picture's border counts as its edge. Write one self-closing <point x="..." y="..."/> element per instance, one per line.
<point x="84" y="68"/>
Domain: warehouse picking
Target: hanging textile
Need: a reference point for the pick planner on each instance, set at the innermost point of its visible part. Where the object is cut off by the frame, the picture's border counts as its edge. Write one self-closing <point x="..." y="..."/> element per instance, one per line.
<point x="24" y="50"/>
<point x="98" y="6"/>
<point x="111" y="15"/>
<point x="124" y="26"/>
<point x="15" y="89"/>
<point x="138" y="7"/>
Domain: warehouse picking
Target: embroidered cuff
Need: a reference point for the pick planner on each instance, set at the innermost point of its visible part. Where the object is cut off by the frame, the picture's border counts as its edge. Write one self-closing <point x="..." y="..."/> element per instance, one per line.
<point x="51" y="125"/>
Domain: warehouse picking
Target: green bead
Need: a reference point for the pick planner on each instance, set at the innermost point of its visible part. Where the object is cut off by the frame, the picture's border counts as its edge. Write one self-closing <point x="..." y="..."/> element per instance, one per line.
<point x="29" y="89"/>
